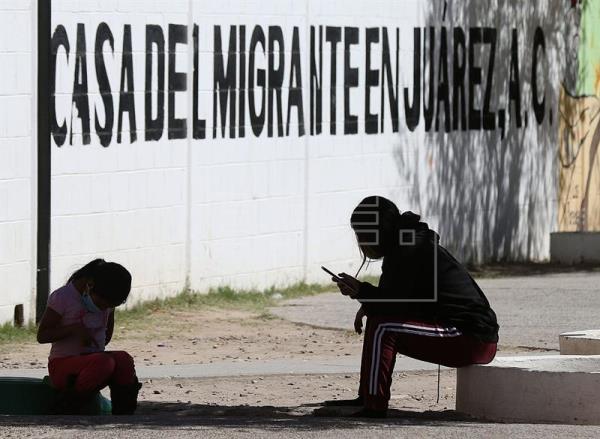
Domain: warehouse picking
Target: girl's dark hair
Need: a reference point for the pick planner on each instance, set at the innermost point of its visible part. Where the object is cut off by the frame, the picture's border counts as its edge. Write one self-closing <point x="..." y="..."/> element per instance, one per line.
<point x="112" y="281"/>
<point x="377" y="222"/>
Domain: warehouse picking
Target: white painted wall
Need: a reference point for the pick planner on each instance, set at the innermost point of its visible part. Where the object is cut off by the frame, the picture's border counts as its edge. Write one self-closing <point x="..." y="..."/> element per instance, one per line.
<point x="260" y="211"/>
<point x="126" y="202"/>
<point x="17" y="183"/>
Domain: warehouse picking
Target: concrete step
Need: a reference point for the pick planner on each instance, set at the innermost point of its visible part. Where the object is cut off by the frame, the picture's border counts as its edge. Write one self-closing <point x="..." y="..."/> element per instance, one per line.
<point x="551" y="388"/>
<point x="585" y="342"/>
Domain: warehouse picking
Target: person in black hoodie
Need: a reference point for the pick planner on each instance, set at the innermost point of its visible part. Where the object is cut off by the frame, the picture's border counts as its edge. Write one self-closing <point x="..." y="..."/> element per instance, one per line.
<point x="426" y="305"/>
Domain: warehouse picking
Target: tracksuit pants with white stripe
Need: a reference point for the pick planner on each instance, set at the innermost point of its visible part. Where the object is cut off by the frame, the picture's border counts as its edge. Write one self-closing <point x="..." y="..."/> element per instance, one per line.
<point x="434" y="343"/>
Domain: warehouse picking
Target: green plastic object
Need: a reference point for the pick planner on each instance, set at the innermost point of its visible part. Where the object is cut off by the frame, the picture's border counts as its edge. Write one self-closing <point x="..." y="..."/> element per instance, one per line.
<point x="34" y="396"/>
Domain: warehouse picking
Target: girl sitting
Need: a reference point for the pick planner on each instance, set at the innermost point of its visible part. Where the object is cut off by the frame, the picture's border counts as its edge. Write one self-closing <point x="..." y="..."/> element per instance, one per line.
<point x="79" y="321"/>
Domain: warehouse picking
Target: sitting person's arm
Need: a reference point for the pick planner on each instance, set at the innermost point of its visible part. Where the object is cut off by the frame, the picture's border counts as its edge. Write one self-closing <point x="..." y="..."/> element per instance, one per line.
<point x="110" y="326"/>
<point x="50" y="329"/>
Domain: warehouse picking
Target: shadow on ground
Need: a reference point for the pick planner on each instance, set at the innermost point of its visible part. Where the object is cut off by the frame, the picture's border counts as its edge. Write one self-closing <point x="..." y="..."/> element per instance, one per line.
<point x="165" y="414"/>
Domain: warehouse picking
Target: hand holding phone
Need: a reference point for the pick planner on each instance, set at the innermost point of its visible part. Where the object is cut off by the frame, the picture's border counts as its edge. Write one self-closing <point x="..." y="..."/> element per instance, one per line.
<point x="334" y="276"/>
<point x="348" y="287"/>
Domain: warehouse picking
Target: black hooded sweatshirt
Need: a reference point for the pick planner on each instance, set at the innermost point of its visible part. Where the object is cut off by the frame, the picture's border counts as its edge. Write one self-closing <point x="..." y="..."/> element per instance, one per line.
<point x="408" y="274"/>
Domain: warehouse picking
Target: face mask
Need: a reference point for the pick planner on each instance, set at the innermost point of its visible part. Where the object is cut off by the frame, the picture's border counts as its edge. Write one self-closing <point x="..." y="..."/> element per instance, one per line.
<point x="89" y="304"/>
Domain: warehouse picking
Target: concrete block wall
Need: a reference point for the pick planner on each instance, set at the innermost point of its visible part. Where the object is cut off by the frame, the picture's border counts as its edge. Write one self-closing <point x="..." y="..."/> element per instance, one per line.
<point x="17" y="157"/>
<point x="198" y="196"/>
<point x="248" y="199"/>
<point x="125" y="202"/>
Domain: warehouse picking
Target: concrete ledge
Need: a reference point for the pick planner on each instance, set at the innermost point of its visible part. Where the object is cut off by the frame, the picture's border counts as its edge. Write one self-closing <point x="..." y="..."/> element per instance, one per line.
<point x="556" y="388"/>
<point x="575" y="247"/>
<point x="585" y="342"/>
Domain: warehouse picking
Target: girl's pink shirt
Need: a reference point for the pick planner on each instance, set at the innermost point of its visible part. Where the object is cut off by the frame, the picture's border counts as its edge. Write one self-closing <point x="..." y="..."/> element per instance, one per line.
<point x="67" y="302"/>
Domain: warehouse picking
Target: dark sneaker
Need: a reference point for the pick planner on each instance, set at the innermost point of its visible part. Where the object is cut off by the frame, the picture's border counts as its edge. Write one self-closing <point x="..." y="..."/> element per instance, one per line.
<point x="124" y="398"/>
<point x="356" y="402"/>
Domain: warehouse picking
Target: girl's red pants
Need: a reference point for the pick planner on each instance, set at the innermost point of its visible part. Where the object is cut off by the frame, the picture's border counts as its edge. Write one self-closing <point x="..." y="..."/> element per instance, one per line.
<point x="93" y="371"/>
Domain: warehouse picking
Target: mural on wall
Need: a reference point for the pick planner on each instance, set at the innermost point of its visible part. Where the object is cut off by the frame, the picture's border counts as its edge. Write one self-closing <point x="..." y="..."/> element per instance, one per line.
<point x="579" y="108"/>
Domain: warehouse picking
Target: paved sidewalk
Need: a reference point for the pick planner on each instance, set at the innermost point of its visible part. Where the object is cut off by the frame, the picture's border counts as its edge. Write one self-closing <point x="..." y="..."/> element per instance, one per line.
<point x="532" y="310"/>
<point x="348" y="364"/>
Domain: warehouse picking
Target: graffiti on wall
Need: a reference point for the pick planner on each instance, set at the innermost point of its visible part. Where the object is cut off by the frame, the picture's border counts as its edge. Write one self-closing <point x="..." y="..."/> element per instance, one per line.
<point x="255" y="82"/>
<point x="579" y="127"/>
<point x="273" y="81"/>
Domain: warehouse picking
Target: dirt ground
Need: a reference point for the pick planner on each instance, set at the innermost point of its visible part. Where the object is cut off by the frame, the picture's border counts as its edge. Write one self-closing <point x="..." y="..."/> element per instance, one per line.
<point x="258" y="406"/>
<point x="210" y="335"/>
<point x="298" y="395"/>
<point x="206" y="336"/>
<point x="221" y="335"/>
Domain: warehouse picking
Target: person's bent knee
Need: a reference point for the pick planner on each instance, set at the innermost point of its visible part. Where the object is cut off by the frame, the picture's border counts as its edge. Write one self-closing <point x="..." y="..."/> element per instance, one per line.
<point x="105" y="365"/>
<point x="96" y="374"/>
<point x="122" y="358"/>
<point x="124" y="373"/>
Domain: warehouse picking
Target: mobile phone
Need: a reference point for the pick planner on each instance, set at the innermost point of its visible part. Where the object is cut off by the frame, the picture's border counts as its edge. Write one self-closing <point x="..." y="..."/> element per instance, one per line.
<point x="336" y="277"/>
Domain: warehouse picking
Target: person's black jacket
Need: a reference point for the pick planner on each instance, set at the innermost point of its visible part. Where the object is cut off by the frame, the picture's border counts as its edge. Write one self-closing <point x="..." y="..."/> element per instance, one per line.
<point x="408" y="274"/>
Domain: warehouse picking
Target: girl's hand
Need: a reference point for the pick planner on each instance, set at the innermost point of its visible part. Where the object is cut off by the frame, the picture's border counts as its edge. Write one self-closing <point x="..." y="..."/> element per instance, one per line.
<point x="358" y="320"/>
<point x="84" y="335"/>
<point x="349" y="285"/>
<point x="110" y="326"/>
<point x="50" y="330"/>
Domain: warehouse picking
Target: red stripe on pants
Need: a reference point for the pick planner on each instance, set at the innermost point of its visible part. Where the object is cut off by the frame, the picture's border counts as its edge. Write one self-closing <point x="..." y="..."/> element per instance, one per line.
<point x="425" y="341"/>
<point x="93" y="371"/>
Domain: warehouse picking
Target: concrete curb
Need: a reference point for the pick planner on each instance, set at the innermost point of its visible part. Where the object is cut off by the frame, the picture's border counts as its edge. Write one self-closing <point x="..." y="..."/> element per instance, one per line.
<point x="585" y="342"/>
<point x="557" y="388"/>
